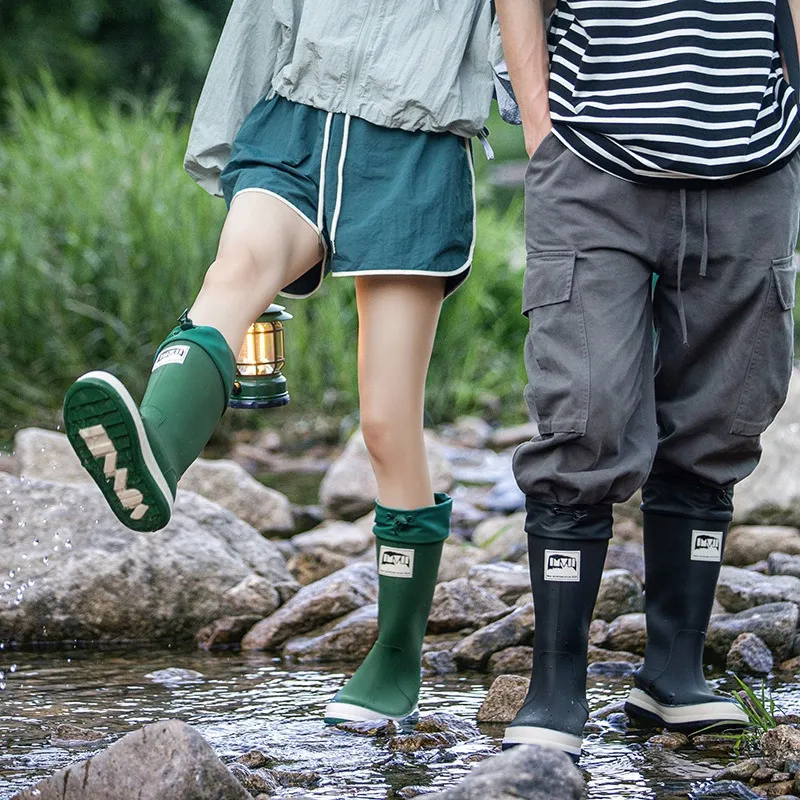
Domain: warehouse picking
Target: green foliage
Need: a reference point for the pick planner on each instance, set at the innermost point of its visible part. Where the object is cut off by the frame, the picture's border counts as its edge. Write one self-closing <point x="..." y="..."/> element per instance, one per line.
<point x="104" y="240"/>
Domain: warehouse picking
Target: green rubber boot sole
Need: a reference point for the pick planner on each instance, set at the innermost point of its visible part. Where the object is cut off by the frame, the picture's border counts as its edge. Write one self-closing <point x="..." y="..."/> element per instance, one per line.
<point x="105" y="429"/>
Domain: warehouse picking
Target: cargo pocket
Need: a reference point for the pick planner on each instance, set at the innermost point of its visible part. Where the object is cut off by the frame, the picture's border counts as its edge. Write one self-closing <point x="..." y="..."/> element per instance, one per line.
<point x="556" y="351"/>
<point x="769" y="368"/>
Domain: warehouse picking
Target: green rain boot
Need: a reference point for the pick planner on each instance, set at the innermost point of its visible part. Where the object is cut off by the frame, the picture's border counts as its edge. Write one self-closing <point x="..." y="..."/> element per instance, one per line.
<point x="409" y="547"/>
<point x="136" y="456"/>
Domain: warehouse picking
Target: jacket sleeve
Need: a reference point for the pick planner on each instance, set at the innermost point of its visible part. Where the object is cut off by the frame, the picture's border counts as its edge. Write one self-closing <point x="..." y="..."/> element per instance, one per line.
<point x="240" y="75"/>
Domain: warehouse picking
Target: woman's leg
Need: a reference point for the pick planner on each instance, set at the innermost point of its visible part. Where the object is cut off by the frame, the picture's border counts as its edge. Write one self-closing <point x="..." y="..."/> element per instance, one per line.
<point x="397" y="323"/>
<point x="136" y="456"/>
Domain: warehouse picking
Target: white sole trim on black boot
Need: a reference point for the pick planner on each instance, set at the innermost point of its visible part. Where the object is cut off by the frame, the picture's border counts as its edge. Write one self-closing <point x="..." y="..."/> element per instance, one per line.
<point x="714" y="713"/>
<point x="555" y="740"/>
<point x="347" y="712"/>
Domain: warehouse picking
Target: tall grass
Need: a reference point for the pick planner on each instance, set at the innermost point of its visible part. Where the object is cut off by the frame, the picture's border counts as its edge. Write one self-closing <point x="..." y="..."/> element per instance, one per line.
<point x="104" y="241"/>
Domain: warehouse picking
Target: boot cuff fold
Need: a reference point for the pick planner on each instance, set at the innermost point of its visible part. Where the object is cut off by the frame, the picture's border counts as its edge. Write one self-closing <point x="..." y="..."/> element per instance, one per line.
<point x="580" y="522"/>
<point x="425" y="525"/>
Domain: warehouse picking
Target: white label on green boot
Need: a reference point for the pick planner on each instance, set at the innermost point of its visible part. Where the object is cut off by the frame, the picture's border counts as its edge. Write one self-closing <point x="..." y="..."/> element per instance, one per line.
<point x="171" y="355"/>
<point x="706" y="545"/>
<point x="562" y="565"/>
<point x="396" y="562"/>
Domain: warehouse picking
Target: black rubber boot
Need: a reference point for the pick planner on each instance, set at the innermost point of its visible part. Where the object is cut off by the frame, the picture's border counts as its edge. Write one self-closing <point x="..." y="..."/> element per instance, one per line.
<point x="566" y="550"/>
<point x="685" y="526"/>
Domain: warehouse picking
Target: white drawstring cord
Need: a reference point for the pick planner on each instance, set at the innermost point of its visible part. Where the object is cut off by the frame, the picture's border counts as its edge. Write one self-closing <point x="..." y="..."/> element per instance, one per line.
<point x="323" y="163"/>
<point x="338" y="208"/>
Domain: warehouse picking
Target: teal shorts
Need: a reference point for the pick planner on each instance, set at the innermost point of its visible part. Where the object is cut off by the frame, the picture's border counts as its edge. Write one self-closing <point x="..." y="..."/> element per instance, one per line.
<point x="383" y="201"/>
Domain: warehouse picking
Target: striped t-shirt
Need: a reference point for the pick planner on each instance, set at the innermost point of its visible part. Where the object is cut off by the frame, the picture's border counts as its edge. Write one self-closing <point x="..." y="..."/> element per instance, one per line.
<point x="665" y="90"/>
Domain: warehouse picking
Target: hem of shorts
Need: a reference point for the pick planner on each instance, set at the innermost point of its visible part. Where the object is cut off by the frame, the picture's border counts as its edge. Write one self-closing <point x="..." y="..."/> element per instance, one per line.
<point x="314" y="227"/>
<point x="427" y="273"/>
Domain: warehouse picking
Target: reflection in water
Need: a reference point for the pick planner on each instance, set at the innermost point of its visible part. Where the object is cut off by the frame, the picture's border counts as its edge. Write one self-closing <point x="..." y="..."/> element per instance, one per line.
<point x="246" y="701"/>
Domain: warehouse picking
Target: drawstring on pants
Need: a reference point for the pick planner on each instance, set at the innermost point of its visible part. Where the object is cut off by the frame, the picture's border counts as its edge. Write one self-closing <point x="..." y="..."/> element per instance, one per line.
<point x="326" y="144"/>
<point x="682" y="254"/>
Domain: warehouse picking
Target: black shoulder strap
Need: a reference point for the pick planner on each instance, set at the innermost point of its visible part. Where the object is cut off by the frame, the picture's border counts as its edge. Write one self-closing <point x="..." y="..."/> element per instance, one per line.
<point x="787" y="41"/>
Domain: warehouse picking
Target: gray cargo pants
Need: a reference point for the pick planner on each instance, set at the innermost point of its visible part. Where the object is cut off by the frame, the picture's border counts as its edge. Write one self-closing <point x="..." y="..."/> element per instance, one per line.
<point x="606" y="409"/>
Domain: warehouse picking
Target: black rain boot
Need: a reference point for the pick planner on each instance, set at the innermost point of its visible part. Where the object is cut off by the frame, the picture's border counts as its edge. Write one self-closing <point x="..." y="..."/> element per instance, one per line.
<point x="566" y="550"/>
<point x="685" y="526"/>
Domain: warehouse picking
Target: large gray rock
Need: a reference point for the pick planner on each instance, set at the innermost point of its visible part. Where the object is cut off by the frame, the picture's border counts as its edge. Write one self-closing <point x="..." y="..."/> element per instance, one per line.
<point x="315" y="605"/>
<point x="629" y="557"/>
<point x="503" y="537"/>
<point x="504" y="699"/>
<point x="749" y="656"/>
<point x="460" y="604"/>
<point x="349" y="489"/>
<point x="748" y="544"/>
<point x="772" y="493"/>
<point x="254" y="595"/>
<point x="163" y="761"/>
<point x="347" y="639"/>
<point x="458" y="559"/>
<point x="620" y="593"/>
<point x="532" y="772"/>
<point x="48" y="456"/>
<point x="314" y="564"/>
<point x="343" y="538"/>
<point x="784" y="564"/>
<point x="774" y="623"/>
<point x="227" y="483"/>
<point x="628" y="632"/>
<point x="739" y="589"/>
<point x="507" y="581"/>
<point x="80" y="574"/>
<point x="474" y="651"/>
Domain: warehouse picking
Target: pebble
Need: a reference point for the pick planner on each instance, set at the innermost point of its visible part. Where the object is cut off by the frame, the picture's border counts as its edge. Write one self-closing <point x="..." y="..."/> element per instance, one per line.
<point x="66" y="734"/>
<point x="441" y="722"/>
<point x="781" y="743"/>
<point x="412" y="742"/>
<point x="504" y="699"/>
<point x="512" y="659"/>
<point x="726" y="790"/>
<point x="739" y="770"/>
<point x="372" y="727"/>
<point x="669" y="740"/>
<point x="749" y="656"/>
<point x="255" y="759"/>
<point x="438" y="662"/>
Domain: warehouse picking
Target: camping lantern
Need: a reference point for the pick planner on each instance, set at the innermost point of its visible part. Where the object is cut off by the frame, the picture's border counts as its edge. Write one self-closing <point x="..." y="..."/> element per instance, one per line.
<point x="259" y="382"/>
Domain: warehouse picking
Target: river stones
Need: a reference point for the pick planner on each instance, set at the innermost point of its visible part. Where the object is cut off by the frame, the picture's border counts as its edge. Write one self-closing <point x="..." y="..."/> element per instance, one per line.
<point x="347" y="639"/>
<point x="627" y="632"/>
<point x="775" y="624"/>
<point x="315" y="605"/>
<point x="80" y="574"/>
<point x="749" y="656"/>
<point x="474" y="651"/>
<point x="739" y="589"/>
<point x="343" y="538"/>
<point x="504" y="699"/>
<point x="532" y="772"/>
<point x="224" y="632"/>
<point x="47" y="455"/>
<point x="438" y="662"/>
<point x="507" y="581"/>
<point x="512" y="659"/>
<point x="256" y="595"/>
<point x="748" y="544"/>
<point x="163" y="761"/>
<point x="784" y="564"/>
<point x="460" y="604"/>
<point x="782" y="743"/>
<point x="620" y="593"/>
<point x="629" y="557"/>
<point x="503" y="537"/>
<point x="458" y="559"/>
<point x="315" y="563"/>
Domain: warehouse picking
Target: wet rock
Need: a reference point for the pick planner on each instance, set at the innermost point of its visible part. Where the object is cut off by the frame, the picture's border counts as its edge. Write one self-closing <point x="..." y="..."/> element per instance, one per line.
<point x="372" y="727"/>
<point x="97" y="580"/>
<point x="438" y="662"/>
<point x="441" y="722"/>
<point x="782" y="743"/>
<point x="772" y="493"/>
<point x="503" y="438"/>
<point x="503" y="537"/>
<point x="620" y="593"/>
<point x="747" y="544"/>
<point x="315" y="605"/>
<point x="506" y="581"/>
<point x="669" y="740"/>
<point x="254" y="759"/>
<point x="314" y="564"/>
<point x="774" y="623"/>
<point x="48" y="456"/>
<point x="739" y="589"/>
<point x="259" y="781"/>
<point x="628" y="557"/>
<point x="791" y="665"/>
<point x="774" y="789"/>
<point x="291" y="778"/>
<point x="763" y="773"/>
<point x="612" y="669"/>
<point x="228" y="484"/>
<point x="224" y="632"/>
<point x="175" y="676"/>
<point x="749" y="656"/>
<point x="255" y="595"/>
<point x="504" y="699"/>
<point x="712" y="741"/>
<point x="164" y="761"/>
<point x="66" y="735"/>
<point x="627" y="632"/>
<point x="739" y="770"/>
<point x="349" y="639"/>
<point x="474" y="651"/>
<point x="412" y="742"/>
<point x="512" y="659"/>
<point x="784" y="564"/>
<point x="343" y="538"/>
<point x="408" y="792"/>
<point x="725" y="790"/>
<point x="349" y="489"/>
<point x="609" y="710"/>
<point x="460" y="603"/>
<point x="458" y="559"/>
<point x="533" y="773"/>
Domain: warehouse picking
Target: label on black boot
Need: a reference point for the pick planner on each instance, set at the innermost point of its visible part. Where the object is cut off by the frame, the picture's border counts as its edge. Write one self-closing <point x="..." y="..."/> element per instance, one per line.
<point x="707" y="546"/>
<point x="562" y="565"/>
<point x="396" y="562"/>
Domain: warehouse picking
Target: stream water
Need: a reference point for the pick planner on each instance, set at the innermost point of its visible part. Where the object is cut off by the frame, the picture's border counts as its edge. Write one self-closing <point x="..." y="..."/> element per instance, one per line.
<point x="250" y="700"/>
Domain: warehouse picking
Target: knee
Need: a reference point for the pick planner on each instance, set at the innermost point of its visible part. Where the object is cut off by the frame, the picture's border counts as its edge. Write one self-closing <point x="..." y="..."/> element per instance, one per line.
<point x="380" y="435"/>
<point x="239" y="270"/>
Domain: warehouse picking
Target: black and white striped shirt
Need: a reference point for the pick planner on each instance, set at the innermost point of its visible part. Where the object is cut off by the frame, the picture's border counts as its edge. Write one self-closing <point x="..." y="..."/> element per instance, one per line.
<point x="666" y="90"/>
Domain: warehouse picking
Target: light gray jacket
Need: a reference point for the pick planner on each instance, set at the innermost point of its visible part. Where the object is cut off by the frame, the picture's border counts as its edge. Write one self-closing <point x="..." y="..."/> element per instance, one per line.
<point x="411" y="64"/>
